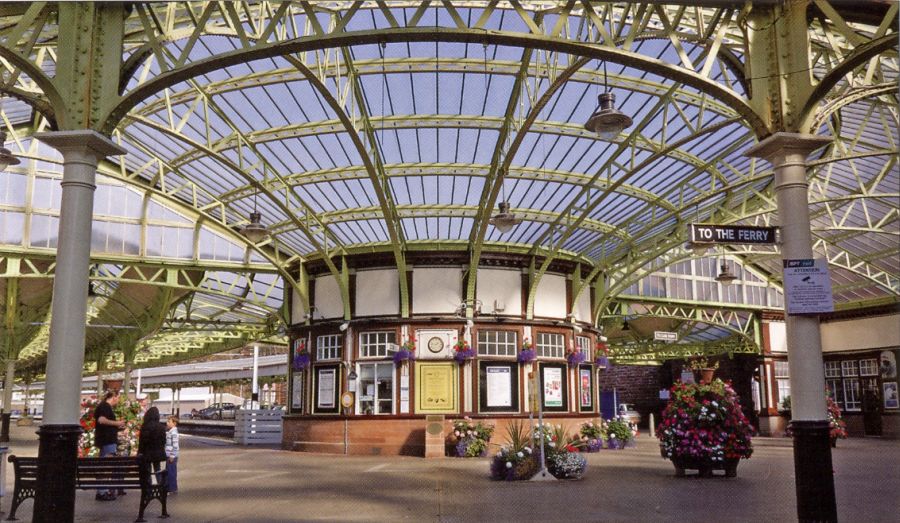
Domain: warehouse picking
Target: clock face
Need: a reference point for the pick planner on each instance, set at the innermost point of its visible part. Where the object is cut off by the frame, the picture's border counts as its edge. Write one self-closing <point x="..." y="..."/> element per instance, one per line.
<point x="435" y="345"/>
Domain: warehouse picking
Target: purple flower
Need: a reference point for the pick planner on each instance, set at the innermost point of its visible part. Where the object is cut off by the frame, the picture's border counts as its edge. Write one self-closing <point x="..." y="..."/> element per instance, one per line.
<point x="575" y="358"/>
<point x="301" y="361"/>
<point x="526" y="356"/>
<point x="403" y="355"/>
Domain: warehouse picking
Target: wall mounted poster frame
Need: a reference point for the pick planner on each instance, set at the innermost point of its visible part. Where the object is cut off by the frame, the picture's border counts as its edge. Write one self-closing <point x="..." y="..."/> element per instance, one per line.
<point x="498" y="386"/>
<point x="585" y="388"/>
<point x="297" y="392"/>
<point x="327" y="389"/>
<point x="554" y="387"/>
<point x="437" y="387"/>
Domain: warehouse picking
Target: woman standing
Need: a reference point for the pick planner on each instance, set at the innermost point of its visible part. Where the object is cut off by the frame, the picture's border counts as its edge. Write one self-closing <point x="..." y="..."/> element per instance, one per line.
<point x="152" y="441"/>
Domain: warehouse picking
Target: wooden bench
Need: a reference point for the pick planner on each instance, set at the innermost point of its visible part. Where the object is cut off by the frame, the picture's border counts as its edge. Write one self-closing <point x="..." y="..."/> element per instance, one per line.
<point x="109" y="473"/>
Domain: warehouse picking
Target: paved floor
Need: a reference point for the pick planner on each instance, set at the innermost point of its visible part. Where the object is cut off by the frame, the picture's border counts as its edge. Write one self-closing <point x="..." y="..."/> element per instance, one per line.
<point x="219" y="481"/>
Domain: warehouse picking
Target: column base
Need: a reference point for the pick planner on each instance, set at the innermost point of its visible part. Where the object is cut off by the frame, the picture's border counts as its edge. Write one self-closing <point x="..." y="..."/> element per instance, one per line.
<point x="813" y="471"/>
<point x="4" y="427"/>
<point x="57" y="455"/>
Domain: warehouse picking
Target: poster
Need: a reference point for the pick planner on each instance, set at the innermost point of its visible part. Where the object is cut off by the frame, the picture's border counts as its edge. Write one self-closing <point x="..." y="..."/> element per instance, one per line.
<point x="499" y="386"/>
<point x="584" y="376"/>
<point x="553" y="390"/>
<point x="887" y="365"/>
<point x="297" y="391"/>
<point x="436" y="387"/>
<point x="325" y="395"/>
<point x="891" y="400"/>
<point x="807" y="286"/>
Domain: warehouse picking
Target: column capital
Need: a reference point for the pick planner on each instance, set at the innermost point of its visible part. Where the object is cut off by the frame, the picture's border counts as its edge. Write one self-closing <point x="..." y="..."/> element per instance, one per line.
<point x="787" y="143"/>
<point x="91" y="141"/>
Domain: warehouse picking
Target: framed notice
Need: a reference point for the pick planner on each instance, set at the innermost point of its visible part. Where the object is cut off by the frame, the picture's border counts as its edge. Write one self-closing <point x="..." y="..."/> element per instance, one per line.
<point x="891" y="400"/>
<point x="297" y="392"/>
<point x="326" y="388"/>
<point x="585" y="388"/>
<point x="437" y="388"/>
<point x="554" y="389"/>
<point x="498" y="386"/>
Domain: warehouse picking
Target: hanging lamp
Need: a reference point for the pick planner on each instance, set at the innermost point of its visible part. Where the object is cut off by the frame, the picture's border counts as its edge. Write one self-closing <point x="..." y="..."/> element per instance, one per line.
<point x="255" y="231"/>
<point x="607" y="121"/>
<point x="725" y="277"/>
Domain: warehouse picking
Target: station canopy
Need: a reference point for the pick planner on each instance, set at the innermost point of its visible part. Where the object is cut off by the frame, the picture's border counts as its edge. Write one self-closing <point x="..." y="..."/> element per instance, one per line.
<point x="394" y="127"/>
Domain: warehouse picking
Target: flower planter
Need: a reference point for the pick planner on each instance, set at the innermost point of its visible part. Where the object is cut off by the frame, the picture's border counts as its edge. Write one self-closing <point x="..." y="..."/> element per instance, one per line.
<point x="705" y="467"/>
<point x="706" y="375"/>
<point x="615" y="443"/>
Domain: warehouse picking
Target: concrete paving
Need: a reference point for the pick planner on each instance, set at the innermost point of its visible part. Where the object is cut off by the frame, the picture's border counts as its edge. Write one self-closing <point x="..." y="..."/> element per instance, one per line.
<point x="219" y="481"/>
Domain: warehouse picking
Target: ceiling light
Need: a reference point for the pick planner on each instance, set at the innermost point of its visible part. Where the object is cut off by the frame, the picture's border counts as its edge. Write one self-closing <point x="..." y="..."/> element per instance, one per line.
<point x="504" y="221"/>
<point x="6" y="157"/>
<point x="607" y="121"/>
<point x="255" y="231"/>
<point x="725" y="277"/>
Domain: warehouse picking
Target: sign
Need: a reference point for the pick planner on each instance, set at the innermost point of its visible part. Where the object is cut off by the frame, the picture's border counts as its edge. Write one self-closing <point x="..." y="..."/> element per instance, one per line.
<point x="732" y="234"/>
<point x="587" y="394"/>
<point x="326" y="389"/>
<point x="807" y="286"/>
<point x="665" y="336"/>
<point x="553" y="394"/>
<point x="499" y="386"/>
<point x="347" y="400"/>
<point x="436" y="387"/>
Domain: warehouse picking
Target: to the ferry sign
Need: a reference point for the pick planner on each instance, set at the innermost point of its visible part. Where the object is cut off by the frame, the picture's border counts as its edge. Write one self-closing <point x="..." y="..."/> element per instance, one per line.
<point x="732" y="234"/>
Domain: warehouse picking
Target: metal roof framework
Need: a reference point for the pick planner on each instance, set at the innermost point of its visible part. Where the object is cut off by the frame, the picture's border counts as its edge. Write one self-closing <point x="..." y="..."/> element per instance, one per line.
<point x="396" y="126"/>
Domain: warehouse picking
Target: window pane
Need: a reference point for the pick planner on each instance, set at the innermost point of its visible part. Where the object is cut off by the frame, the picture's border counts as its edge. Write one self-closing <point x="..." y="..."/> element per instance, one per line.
<point x="550" y="345"/>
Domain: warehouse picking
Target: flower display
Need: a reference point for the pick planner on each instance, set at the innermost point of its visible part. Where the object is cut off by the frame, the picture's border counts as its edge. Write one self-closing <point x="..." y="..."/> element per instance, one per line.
<point x="470" y="439"/>
<point x="527" y="354"/>
<point x="703" y="363"/>
<point x="836" y="423"/>
<point x="407" y="351"/>
<point x="561" y="451"/>
<point x="516" y="459"/>
<point x="618" y="433"/>
<point x="301" y="356"/>
<point x="601" y="355"/>
<point x="575" y="357"/>
<point x="127" y="410"/>
<point x="704" y="423"/>
<point x="592" y="435"/>
<point x="462" y="351"/>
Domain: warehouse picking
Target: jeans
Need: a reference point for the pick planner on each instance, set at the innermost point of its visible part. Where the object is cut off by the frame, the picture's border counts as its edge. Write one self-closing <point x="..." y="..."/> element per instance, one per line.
<point x="172" y="474"/>
<point x="108" y="450"/>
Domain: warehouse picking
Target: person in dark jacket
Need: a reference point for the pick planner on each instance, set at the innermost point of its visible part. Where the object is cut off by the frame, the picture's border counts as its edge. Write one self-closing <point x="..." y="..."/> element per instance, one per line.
<point x="152" y="441"/>
<point x="106" y="435"/>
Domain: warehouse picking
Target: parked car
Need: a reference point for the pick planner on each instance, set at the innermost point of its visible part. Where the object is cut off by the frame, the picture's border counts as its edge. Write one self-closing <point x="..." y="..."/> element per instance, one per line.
<point x="217" y="411"/>
<point x="627" y="412"/>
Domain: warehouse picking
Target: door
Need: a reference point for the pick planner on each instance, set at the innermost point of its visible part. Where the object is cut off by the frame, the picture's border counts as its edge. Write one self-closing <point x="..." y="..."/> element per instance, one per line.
<point x="607" y="404"/>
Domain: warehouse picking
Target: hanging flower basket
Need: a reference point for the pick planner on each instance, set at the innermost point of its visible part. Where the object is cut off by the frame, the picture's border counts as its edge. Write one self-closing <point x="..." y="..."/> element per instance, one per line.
<point x="301" y="361"/>
<point x="462" y="352"/>
<point x="526" y="356"/>
<point x="404" y="355"/>
<point x="601" y="355"/>
<point x="575" y="358"/>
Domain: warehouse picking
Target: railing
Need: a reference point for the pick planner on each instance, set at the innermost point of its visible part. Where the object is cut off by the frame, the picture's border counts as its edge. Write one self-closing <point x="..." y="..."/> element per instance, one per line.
<point x="257" y="427"/>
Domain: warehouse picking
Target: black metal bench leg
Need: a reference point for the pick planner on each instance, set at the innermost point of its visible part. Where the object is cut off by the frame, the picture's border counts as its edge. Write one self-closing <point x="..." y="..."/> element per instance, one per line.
<point x="17" y="500"/>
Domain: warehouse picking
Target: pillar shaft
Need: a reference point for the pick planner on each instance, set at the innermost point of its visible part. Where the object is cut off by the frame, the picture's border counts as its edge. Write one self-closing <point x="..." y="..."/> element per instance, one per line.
<point x="8" y="385"/>
<point x="126" y="380"/>
<point x="787" y="153"/>
<point x="59" y="432"/>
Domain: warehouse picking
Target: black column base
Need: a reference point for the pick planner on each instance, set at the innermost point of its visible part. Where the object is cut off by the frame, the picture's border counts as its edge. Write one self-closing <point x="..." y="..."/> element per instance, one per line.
<point x="58" y="450"/>
<point x="4" y="426"/>
<point x="813" y="471"/>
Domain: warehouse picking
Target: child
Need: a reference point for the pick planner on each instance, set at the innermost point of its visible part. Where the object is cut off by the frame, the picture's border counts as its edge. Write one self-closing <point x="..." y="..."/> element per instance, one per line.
<point x="172" y="454"/>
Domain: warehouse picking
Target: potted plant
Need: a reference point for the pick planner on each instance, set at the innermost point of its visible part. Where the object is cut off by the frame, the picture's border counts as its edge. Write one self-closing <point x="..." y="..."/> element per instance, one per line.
<point x="705" y="369"/>
<point x="560" y="451"/>
<point x="527" y="354"/>
<point x="407" y="351"/>
<point x="704" y="428"/>
<point x="592" y="435"/>
<point x="516" y="460"/>
<point x="601" y="355"/>
<point x="618" y="433"/>
<point x="470" y="439"/>
<point x="301" y="357"/>
<point x="574" y="356"/>
<point x="462" y="351"/>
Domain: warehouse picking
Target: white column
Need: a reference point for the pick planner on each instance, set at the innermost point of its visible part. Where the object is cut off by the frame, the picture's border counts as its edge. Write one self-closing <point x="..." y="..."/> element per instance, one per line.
<point x="8" y="384"/>
<point x="255" y="391"/>
<point x="787" y="153"/>
<point x="126" y="380"/>
<point x="81" y="151"/>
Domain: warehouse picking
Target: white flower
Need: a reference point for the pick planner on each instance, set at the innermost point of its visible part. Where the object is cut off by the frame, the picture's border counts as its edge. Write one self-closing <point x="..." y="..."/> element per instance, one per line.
<point x="508" y="465"/>
<point x="552" y="443"/>
<point x="612" y="436"/>
<point x="528" y="450"/>
<point x="519" y="454"/>
<point x="456" y="433"/>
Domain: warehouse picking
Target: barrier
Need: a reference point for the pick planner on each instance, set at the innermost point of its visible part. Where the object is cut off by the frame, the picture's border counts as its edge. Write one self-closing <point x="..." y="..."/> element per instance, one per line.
<point x="257" y="427"/>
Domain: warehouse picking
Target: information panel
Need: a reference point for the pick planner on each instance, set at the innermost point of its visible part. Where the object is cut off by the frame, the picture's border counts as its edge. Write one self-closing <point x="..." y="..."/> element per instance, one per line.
<point x="807" y="286"/>
<point x="499" y="386"/>
<point x="437" y="388"/>
<point x="732" y="234"/>
<point x="554" y="387"/>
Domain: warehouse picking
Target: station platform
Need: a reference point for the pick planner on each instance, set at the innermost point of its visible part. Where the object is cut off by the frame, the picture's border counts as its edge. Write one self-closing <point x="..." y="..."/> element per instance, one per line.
<point x="220" y="481"/>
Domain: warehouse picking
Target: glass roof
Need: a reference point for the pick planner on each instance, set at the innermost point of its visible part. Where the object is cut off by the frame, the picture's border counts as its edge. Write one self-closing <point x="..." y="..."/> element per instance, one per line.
<point x="366" y="126"/>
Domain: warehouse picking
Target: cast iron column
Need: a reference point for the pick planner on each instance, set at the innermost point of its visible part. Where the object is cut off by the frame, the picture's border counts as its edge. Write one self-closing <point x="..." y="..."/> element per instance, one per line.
<point x="787" y="153"/>
<point x="58" y="450"/>
<point x="8" y="384"/>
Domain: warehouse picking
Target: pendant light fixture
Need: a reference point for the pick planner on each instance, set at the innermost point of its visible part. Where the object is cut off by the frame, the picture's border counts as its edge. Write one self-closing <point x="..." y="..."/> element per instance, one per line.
<point x="255" y="231"/>
<point x="725" y="277"/>
<point x="607" y="121"/>
<point x="6" y="157"/>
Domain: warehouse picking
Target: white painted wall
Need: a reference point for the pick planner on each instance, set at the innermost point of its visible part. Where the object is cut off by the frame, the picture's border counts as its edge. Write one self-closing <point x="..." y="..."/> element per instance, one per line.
<point x="583" y="306"/>
<point x="328" y="298"/>
<point x="436" y="290"/>
<point x="862" y="333"/>
<point x="550" y="300"/>
<point x="502" y="286"/>
<point x="298" y="313"/>
<point x="377" y="292"/>
<point x="777" y="336"/>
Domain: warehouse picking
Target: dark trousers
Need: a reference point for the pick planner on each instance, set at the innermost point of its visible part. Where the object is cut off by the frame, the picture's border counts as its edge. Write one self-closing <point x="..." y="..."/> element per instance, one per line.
<point x="172" y="474"/>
